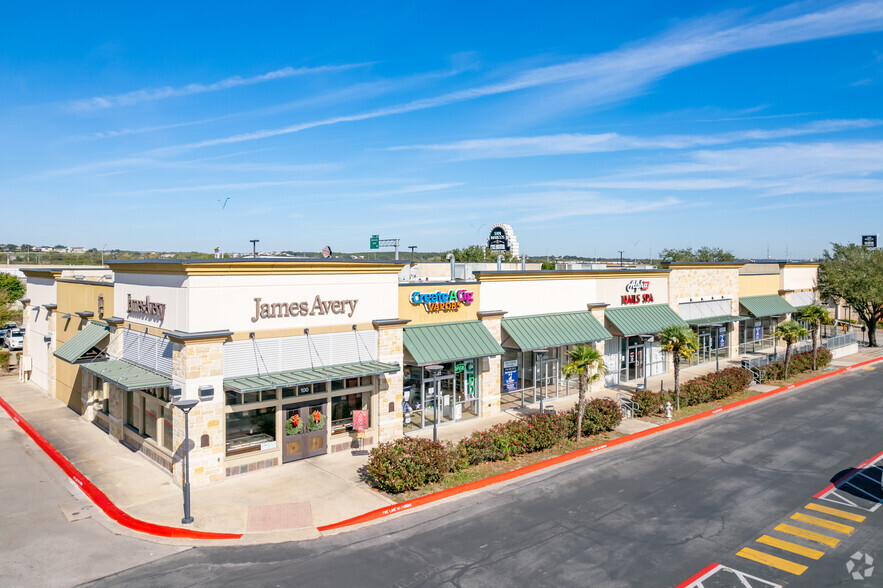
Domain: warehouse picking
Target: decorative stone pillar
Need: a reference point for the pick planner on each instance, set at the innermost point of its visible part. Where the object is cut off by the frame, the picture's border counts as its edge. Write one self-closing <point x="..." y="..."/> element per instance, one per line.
<point x="597" y="310"/>
<point x="198" y="362"/>
<point x="491" y="376"/>
<point x="388" y="417"/>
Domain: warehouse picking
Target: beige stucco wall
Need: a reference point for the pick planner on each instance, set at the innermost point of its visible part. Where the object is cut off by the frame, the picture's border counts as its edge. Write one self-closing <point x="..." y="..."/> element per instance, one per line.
<point x="758" y="284"/>
<point x="799" y="277"/>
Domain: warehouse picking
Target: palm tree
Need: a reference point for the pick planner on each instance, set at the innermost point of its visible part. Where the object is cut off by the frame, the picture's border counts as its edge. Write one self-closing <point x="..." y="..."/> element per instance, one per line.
<point x="681" y="341"/>
<point x="790" y="332"/>
<point x="587" y="364"/>
<point x="816" y="316"/>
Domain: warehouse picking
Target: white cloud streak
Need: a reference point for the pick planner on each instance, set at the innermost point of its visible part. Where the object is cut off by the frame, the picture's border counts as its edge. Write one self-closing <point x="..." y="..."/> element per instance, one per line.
<point x="566" y="144"/>
<point x="152" y="94"/>
<point x="625" y="72"/>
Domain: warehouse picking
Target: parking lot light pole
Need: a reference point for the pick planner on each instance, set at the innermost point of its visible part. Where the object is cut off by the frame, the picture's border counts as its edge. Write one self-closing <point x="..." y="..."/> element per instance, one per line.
<point x="717" y="351"/>
<point x="186" y="406"/>
<point x="434" y="370"/>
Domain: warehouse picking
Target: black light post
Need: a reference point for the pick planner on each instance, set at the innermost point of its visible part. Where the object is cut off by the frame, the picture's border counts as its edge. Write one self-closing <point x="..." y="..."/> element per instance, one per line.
<point x="186" y="406"/>
<point x="539" y="355"/>
<point x="254" y="247"/>
<point x="434" y="370"/>
<point x="717" y="351"/>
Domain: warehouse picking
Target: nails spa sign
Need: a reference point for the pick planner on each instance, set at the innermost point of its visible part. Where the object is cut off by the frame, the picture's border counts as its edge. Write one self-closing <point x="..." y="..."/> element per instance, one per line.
<point x="637" y="293"/>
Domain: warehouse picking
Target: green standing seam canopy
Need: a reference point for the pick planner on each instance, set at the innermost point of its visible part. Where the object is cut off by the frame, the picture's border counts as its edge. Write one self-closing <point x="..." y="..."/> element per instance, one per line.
<point x="768" y="305"/>
<point x="127" y="375"/>
<point x="291" y="378"/>
<point x="712" y="320"/>
<point x="82" y="342"/>
<point x="551" y="330"/>
<point x="445" y="342"/>
<point x="643" y="320"/>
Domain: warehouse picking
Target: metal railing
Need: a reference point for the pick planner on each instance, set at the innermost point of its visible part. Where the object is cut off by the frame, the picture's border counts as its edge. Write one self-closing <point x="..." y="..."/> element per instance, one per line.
<point x="627" y="406"/>
<point x="840" y="341"/>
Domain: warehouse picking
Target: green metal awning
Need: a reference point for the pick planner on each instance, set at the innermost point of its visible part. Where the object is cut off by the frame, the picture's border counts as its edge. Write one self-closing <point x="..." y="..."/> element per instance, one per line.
<point x="769" y="305"/>
<point x="643" y="320"/>
<point x="82" y="342"/>
<point x="712" y="320"/>
<point x="291" y="378"/>
<point x="446" y="342"/>
<point x="127" y="375"/>
<point x="551" y="330"/>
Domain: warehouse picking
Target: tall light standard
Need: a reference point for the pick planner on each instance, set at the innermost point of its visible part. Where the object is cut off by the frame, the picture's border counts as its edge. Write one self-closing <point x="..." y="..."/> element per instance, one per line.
<point x="539" y="354"/>
<point x="223" y="207"/>
<point x="186" y="406"/>
<point x="254" y="247"/>
<point x="717" y="350"/>
<point x="434" y="370"/>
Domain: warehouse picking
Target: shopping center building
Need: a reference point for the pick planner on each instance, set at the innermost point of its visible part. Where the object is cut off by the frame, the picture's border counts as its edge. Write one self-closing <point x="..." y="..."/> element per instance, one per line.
<point x="288" y="357"/>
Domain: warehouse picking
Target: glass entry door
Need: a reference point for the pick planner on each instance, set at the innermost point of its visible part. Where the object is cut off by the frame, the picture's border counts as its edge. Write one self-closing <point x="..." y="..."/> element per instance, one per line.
<point x="633" y="359"/>
<point x="438" y="390"/>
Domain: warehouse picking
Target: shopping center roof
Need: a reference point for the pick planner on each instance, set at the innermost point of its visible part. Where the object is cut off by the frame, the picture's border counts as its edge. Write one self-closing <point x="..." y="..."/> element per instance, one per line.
<point x="643" y="320"/>
<point x="445" y="342"/>
<point x="291" y="378"/>
<point x="551" y="330"/>
<point x="127" y="375"/>
<point x="82" y="342"/>
<point x="767" y="305"/>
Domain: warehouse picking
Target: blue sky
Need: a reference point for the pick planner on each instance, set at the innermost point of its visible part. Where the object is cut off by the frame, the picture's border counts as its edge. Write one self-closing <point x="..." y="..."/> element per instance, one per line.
<point x="590" y="129"/>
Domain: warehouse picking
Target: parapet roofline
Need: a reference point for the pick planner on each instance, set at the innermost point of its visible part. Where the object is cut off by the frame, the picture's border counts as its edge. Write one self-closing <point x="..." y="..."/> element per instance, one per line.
<point x="252" y="266"/>
<point x="488" y="275"/>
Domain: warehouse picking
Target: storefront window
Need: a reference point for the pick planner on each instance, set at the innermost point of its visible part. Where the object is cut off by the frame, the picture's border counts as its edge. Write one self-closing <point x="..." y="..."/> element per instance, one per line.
<point x="150" y="421"/>
<point x="342" y="408"/>
<point x="455" y="389"/>
<point x="167" y="430"/>
<point x="248" y="430"/>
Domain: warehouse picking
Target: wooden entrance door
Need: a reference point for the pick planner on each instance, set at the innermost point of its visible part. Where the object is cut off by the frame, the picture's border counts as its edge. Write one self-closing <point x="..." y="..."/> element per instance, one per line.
<point x="310" y="437"/>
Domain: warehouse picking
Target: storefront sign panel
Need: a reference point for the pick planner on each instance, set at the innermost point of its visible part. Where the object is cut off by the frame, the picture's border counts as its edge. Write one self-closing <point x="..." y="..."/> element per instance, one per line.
<point x="360" y="420"/>
<point x="510" y="375"/>
<point x="758" y="332"/>
<point x="439" y="301"/>
<point x="722" y="339"/>
<point x="317" y="306"/>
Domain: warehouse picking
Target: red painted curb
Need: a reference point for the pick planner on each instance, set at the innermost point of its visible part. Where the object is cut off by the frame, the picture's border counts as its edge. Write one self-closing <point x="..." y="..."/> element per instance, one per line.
<point x="436" y="496"/>
<point x="698" y="575"/>
<point x="100" y="499"/>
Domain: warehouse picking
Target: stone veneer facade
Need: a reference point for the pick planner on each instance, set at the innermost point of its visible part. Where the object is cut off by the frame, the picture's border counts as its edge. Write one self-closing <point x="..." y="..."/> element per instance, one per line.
<point x="703" y="281"/>
<point x="490" y="378"/>
<point x="390" y="349"/>
<point x="197" y="363"/>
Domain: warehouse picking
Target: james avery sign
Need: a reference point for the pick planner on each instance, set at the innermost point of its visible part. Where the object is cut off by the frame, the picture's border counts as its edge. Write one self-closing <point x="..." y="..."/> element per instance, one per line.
<point x="146" y="307"/>
<point x="287" y="309"/>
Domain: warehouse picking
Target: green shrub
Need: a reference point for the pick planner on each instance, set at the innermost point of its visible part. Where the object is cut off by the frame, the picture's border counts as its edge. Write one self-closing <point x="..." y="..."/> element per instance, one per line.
<point x="648" y="402"/>
<point x="800" y="362"/>
<point x="715" y="386"/>
<point x="504" y="441"/>
<point x="407" y="464"/>
<point x="601" y="415"/>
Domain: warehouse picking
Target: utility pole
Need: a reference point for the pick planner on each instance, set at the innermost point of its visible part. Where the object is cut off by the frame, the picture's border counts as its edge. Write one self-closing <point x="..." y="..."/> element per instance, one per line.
<point x="412" y="248"/>
<point x="620" y="260"/>
<point x="254" y="247"/>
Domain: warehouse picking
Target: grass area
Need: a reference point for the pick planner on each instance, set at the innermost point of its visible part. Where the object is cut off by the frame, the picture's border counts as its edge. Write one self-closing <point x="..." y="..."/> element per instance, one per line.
<point x="488" y="469"/>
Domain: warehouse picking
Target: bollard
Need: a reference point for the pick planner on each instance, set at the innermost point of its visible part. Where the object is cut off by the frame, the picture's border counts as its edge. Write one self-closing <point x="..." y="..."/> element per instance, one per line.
<point x="668" y="410"/>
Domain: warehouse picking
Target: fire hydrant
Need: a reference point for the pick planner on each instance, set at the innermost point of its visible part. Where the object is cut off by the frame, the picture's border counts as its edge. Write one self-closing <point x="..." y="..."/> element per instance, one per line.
<point x="668" y="410"/>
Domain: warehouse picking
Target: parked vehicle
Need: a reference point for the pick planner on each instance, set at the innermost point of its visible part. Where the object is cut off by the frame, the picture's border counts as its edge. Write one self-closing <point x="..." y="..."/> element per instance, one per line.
<point x="15" y="339"/>
<point x="6" y="328"/>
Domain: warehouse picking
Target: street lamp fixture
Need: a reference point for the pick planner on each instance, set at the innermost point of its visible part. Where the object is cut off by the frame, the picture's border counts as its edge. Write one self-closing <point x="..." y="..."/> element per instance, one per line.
<point x="186" y="406"/>
<point x="539" y="354"/>
<point x="434" y="370"/>
<point x="254" y="247"/>
<point x="717" y="333"/>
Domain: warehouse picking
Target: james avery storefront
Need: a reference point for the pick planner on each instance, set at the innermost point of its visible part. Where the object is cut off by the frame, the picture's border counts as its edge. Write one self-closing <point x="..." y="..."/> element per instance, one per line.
<point x="283" y="354"/>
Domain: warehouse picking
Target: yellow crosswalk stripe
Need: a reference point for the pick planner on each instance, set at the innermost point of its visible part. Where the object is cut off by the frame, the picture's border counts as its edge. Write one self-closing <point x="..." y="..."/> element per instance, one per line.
<point x="836" y="512"/>
<point x="811" y="535"/>
<point x="824" y="523"/>
<point x="792" y="547"/>
<point x="772" y="561"/>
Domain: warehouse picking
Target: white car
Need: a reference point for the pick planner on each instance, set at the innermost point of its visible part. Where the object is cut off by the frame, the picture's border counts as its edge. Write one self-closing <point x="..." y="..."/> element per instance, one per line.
<point x="15" y="339"/>
<point x="5" y="329"/>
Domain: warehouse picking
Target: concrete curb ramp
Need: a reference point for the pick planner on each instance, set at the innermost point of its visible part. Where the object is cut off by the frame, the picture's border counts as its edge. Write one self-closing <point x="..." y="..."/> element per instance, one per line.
<point x="126" y="520"/>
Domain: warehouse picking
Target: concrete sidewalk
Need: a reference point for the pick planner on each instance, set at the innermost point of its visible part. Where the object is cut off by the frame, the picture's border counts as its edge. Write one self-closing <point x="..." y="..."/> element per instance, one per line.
<point x="276" y="504"/>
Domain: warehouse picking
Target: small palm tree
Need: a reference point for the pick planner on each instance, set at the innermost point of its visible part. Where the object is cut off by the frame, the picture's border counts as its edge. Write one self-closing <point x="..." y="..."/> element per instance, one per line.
<point x="587" y="364"/>
<point x="816" y="316"/>
<point x="790" y="332"/>
<point x="681" y="341"/>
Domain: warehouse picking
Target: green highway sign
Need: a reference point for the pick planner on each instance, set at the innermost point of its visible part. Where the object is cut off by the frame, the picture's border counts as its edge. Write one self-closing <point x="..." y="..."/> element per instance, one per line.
<point x="375" y="241"/>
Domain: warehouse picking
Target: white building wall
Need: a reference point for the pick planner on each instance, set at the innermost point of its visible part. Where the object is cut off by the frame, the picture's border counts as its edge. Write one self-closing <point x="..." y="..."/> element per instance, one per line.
<point x="799" y="278"/>
<point x="541" y="296"/>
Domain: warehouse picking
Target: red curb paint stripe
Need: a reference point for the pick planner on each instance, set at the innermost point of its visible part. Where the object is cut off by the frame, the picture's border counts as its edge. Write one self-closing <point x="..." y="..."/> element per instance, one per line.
<point x="698" y="576"/>
<point x="847" y="477"/>
<point x="100" y="499"/>
<point x="441" y="495"/>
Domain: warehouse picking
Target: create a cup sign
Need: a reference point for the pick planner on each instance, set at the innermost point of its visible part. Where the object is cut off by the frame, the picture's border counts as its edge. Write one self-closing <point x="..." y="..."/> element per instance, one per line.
<point x="360" y="420"/>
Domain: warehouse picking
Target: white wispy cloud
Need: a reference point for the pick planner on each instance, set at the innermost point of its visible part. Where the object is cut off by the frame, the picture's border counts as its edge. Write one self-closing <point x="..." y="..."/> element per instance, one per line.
<point x="151" y="94"/>
<point x="231" y="186"/>
<point x="621" y="73"/>
<point x="564" y="144"/>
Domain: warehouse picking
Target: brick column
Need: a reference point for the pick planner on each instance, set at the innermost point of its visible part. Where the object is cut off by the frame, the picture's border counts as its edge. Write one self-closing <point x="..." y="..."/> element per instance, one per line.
<point x="390" y="349"/>
<point x="198" y="360"/>
<point x="491" y="377"/>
